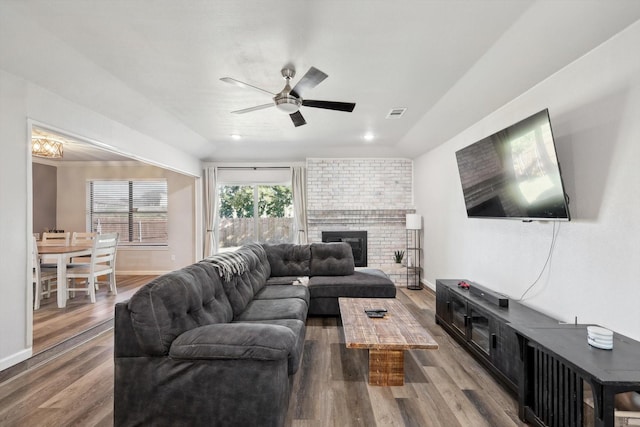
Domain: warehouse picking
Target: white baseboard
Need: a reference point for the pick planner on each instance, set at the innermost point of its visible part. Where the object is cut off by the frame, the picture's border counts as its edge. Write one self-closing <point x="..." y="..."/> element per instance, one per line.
<point x="141" y="273"/>
<point x="428" y="284"/>
<point x="16" y="358"/>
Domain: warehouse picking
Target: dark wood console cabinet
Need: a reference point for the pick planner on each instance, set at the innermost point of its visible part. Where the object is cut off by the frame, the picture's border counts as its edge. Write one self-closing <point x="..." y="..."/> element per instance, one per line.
<point x="485" y="329"/>
<point x="544" y="363"/>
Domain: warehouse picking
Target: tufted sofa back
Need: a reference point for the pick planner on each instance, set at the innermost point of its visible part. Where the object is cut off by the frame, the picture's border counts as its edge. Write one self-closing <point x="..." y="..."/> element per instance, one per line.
<point x="287" y="259"/>
<point x="176" y="302"/>
<point x="258" y="268"/>
<point x="331" y="259"/>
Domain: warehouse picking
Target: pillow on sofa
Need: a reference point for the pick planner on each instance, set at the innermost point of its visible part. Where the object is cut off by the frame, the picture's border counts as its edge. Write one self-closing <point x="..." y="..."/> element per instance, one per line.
<point x="287" y="259"/>
<point x="331" y="259"/>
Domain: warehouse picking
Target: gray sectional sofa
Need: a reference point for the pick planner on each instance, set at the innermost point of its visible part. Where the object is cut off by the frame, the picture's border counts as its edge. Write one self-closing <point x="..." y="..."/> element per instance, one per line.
<point x="217" y="343"/>
<point x="331" y="272"/>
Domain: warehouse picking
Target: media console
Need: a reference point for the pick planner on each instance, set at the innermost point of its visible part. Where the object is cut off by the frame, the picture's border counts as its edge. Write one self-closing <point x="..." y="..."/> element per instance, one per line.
<point x="483" y="322"/>
<point x="545" y="363"/>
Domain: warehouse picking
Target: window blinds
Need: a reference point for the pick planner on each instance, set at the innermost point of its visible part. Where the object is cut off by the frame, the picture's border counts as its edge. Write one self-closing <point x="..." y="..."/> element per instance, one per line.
<point x="137" y="209"/>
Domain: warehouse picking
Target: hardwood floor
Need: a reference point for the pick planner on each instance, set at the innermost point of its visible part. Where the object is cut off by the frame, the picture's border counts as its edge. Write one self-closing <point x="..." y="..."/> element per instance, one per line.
<point x="443" y="387"/>
<point x="53" y="325"/>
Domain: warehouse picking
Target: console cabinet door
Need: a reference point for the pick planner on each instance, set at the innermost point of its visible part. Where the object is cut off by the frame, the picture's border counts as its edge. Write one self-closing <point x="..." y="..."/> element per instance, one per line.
<point x="442" y="303"/>
<point x="506" y="357"/>
<point x="481" y="330"/>
<point x="458" y="311"/>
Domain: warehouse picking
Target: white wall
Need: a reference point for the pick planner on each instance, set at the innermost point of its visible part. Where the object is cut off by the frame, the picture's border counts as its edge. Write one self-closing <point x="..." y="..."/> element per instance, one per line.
<point x="20" y="101"/>
<point x="594" y="274"/>
<point x="71" y="213"/>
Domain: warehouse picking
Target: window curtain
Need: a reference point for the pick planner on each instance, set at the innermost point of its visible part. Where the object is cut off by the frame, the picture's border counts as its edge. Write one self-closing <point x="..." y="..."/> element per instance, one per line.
<point x="299" y="191"/>
<point x="211" y="210"/>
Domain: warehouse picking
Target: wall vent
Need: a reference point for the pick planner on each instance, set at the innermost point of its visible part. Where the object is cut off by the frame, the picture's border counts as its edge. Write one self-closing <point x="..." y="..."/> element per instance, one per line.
<point x="396" y="113"/>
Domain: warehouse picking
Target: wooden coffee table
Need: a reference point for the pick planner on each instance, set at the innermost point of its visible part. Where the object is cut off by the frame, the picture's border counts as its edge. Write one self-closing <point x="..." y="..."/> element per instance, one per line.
<point x="386" y="338"/>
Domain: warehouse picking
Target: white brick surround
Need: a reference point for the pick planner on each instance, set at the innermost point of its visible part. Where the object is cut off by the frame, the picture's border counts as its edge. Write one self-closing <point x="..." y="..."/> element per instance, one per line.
<point x="362" y="194"/>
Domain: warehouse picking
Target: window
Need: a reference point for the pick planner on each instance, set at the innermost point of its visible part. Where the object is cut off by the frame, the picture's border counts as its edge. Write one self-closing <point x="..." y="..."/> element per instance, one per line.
<point x="249" y="213"/>
<point x="137" y="209"/>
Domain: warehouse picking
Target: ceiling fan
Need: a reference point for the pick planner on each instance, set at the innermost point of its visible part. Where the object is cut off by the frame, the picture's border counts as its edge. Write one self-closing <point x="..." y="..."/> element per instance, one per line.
<point x="290" y="100"/>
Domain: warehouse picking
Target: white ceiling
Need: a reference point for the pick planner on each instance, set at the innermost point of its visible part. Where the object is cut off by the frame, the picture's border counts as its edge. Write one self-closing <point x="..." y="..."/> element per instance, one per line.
<point x="155" y="66"/>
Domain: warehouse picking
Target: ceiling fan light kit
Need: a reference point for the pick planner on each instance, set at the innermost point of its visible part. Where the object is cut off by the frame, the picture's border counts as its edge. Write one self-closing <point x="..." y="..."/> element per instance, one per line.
<point x="290" y="100"/>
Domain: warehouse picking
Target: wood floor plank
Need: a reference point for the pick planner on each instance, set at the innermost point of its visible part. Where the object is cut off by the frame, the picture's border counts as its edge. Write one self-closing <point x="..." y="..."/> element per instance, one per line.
<point x="463" y="409"/>
<point x="435" y="411"/>
<point x="488" y="408"/>
<point x="385" y="405"/>
<point x="53" y="325"/>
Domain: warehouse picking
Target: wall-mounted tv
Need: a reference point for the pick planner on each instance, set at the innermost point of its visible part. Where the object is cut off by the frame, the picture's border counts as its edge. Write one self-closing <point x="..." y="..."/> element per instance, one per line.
<point x="514" y="174"/>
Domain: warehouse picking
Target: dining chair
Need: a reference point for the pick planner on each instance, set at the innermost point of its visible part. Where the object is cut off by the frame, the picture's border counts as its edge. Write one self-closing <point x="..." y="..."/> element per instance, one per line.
<point x="81" y="238"/>
<point x="103" y="254"/>
<point x="56" y="239"/>
<point x="43" y="278"/>
<point x="53" y="239"/>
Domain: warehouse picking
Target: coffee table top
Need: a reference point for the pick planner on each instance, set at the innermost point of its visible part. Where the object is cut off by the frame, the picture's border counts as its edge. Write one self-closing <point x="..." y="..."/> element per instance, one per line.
<point x="398" y="330"/>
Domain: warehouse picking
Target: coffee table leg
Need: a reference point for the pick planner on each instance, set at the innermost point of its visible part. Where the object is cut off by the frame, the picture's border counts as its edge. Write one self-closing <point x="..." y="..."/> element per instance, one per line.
<point x="386" y="367"/>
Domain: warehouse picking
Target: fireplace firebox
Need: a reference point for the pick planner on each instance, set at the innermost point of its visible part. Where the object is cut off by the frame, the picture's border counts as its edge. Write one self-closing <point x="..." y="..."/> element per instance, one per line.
<point x="357" y="240"/>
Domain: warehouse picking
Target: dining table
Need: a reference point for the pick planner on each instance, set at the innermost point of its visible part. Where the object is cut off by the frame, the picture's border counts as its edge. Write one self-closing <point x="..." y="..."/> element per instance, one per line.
<point x="62" y="255"/>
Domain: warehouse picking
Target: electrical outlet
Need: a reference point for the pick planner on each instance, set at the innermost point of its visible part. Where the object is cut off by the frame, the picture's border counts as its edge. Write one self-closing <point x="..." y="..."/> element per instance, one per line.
<point x="173" y="257"/>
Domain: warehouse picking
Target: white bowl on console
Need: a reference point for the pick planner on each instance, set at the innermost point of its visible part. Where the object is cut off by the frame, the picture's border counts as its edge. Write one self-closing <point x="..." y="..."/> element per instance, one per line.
<point x="600" y="337"/>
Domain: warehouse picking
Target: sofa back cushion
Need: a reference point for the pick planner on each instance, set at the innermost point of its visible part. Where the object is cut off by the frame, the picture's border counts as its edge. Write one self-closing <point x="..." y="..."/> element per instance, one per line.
<point x="177" y="302"/>
<point x="258" y="270"/>
<point x="287" y="259"/>
<point x="239" y="290"/>
<point x="331" y="259"/>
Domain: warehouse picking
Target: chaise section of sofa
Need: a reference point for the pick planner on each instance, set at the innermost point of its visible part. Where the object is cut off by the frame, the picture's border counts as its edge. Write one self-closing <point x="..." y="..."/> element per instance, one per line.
<point x="331" y="274"/>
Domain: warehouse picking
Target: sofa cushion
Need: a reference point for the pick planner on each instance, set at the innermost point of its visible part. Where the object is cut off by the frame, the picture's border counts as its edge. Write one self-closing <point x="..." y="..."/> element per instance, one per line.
<point x="258" y="269"/>
<point x="287" y="259"/>
<point x="358" y="285"/>
<point x="270" y="309"/>
<point x="177" y="302"/>
<point x="284" y="291"/>
<point x="299" y="329"/>
<point x="331" y="259"/>
<point x="259" y="341"/>
<point x="284" y="280"/>
<point x="239" y="290"/>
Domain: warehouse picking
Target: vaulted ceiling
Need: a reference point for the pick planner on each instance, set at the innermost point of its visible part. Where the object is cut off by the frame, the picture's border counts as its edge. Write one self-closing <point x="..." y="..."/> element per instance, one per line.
<point x="155" y="66"/>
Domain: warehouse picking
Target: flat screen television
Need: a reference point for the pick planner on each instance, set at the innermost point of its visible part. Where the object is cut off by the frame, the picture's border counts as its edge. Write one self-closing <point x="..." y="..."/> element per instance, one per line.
<point x="514" y="174"/>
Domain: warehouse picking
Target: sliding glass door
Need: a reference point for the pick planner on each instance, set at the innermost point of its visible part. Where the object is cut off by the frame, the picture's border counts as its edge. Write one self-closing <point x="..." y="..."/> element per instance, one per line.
<point x="254" y="213"/>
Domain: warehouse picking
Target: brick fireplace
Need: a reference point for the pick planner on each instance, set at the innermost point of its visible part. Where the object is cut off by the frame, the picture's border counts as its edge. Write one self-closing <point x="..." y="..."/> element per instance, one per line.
<point x="372" y="195"/>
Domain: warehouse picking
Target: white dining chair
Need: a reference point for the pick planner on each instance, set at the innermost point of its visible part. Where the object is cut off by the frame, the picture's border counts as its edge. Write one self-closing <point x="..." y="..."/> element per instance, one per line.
<point x="103" y="254"/>
<point x="43" y="278"/>
<point x="53" y="239"/>
<point x="56" y="239"/>
<point x="81" y="238"/>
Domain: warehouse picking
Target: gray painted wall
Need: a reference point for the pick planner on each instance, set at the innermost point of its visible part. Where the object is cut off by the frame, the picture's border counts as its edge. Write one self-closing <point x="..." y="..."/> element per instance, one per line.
<point x="45" y="193"/>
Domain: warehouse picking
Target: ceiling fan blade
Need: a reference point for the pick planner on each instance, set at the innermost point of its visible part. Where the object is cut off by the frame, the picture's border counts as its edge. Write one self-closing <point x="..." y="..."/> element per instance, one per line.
<point x="257" y="107"/>
<point x="308" y="81"/>
<point x="330" y="105"/>
<point x="245" y="85"/>
<point x="297" y="119"/>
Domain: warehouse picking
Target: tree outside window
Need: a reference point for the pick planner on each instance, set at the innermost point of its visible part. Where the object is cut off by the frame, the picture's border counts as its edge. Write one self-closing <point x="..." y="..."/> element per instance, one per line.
<point x="249" y="213"/>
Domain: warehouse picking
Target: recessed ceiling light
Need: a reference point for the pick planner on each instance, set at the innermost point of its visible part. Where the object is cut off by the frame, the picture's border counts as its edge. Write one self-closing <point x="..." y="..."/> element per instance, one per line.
<point x="368" y="136"/>
<point x="236" y="137"/>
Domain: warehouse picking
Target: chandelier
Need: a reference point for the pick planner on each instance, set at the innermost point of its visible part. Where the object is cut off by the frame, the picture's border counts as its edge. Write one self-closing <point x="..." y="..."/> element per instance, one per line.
<point x="46" y="147"/>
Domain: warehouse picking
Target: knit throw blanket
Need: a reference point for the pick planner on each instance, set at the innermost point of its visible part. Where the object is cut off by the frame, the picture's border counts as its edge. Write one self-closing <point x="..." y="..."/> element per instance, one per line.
<point x="228" y="264"/>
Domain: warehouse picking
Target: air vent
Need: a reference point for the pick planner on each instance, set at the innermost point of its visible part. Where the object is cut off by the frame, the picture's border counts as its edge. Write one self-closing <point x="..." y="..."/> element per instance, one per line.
<point x="396" y="113"/>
